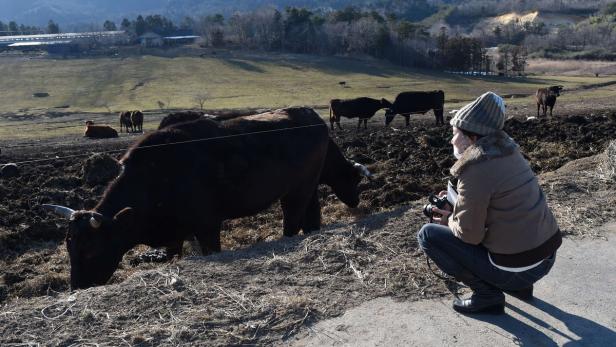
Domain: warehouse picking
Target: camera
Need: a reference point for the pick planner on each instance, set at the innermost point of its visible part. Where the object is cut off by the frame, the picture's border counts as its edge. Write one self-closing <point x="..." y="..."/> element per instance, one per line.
<point x="437" y="202"/>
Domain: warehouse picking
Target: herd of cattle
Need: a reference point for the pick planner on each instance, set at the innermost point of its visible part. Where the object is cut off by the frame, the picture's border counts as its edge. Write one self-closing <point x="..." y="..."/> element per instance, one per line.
<point x="184" y="179"/>
<point x="132" y="120"/>
<point x="362" y="108"/>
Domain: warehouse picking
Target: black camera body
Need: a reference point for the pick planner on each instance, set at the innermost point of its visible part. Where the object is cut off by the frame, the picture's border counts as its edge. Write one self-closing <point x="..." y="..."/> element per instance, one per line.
<point x="437" y="202"/>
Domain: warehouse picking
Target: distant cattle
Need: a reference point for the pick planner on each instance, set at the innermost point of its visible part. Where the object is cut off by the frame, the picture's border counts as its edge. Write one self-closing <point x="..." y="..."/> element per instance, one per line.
<point x="546" y="97"/>
<point x="408" y="103"/>
<point x="136" y="118"/>
<point x="176" y="183"/>
<point x="99" y="131"/>
<point x="179" y="117"/>
<point x="362" y="108"/>
<point x="125" y="121"/>
<point x="132" y="120"/>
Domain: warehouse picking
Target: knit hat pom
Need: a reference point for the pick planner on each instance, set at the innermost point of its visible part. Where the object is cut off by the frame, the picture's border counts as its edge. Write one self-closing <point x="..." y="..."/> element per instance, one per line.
<point x="483" y="116"/>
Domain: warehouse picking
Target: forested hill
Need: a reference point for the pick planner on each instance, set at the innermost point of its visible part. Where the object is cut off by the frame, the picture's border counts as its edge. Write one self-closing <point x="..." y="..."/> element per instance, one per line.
<point x="70" y="12"/>
<point x="39" y="12"/>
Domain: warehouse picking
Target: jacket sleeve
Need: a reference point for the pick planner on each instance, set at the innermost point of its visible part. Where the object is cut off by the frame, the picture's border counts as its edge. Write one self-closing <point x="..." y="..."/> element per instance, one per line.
<point x="468" y="219"/>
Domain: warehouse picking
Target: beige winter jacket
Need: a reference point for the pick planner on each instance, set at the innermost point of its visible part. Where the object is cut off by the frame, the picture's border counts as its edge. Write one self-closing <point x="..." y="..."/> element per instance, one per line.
<point x="500" y="204"/>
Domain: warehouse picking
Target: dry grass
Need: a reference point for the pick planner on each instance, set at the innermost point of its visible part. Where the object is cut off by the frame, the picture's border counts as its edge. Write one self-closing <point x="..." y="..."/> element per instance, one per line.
<point x="571" y="67"/>
<point x="231" y="79"/>
<point x="580" y="199"/>
<point x="255" y="296"/>
<point x="606" y="169"/>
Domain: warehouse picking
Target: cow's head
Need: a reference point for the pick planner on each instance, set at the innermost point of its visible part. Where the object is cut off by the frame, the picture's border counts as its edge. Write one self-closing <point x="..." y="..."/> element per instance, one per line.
<point x="347" y="187"/>
<point x="555" y="90"/>
<point x="389" y="111"/>
<point x="389" y="116"/>
<point x="95" y="244"/>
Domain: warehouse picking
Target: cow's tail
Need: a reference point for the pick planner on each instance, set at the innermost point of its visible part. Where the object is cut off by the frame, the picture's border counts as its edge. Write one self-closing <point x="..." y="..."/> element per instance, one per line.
<point x="332" y="118"/>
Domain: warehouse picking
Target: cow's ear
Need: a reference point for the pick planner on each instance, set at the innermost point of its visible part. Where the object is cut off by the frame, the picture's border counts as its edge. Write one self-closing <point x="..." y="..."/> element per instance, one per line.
<point x="125" y="218"/>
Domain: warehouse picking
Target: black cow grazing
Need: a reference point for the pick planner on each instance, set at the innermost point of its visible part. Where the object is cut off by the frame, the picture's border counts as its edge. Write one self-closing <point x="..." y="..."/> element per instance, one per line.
<point x="408" y="103"/>
<point x="546" y="97"/>
<point x="99" y="131"/>
<point x="136" y="119"/>
<point x="125" y="120"/>
<point x="179" y="117"/>
<point x="362" y="108"/>
<point x="176" y="183"/>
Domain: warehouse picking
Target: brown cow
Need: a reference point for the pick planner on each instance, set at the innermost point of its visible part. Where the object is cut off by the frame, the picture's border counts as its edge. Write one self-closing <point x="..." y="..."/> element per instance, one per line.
<point x="546" y="97"/>
<point x="125" y="120"/>
<point x="99" y="131"/>
<point x="136" y="118"/>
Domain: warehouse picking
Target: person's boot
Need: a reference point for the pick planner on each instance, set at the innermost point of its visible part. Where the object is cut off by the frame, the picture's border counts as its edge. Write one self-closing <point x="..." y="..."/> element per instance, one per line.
<point x="525" y="294"/>
<point x="485" y="298"/>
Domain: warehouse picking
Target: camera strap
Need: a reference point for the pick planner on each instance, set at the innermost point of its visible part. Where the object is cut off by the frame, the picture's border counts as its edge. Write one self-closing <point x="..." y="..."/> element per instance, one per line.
<point x="447" y="279"/>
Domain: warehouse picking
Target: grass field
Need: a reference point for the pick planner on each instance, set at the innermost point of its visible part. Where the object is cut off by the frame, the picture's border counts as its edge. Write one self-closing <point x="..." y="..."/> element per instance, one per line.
<point x="230" y="81"/>
<point x="233" y="80"/>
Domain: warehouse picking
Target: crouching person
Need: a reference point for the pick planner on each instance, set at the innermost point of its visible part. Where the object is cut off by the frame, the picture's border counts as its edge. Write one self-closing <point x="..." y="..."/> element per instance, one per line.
<point x="500" y="236"/>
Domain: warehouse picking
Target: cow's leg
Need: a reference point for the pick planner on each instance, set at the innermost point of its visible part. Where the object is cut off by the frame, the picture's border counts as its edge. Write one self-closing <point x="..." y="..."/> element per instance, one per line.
<point x="339" y="126"/>
<point x="366" y="123"/>
<point x="538" y="107"/>
<point x="359" y="124"/>
<point x="551" y="108"/>
<point x="174" y="248"/>
<point x="438" y="114"/>
<point x="407" y="119"/>
<point x="294" y="209"/>
<point x="312" y="217"/>
<point x="209" y="237"/>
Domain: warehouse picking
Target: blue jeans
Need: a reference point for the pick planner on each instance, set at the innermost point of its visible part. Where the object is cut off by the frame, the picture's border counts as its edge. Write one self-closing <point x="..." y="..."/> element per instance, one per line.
<point x="455" y="257"/>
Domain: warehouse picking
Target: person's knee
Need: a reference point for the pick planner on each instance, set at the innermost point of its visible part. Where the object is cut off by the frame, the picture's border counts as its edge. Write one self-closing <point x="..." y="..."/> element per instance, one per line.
<point x="434" y="235"/>
<point x="424" y="235"/>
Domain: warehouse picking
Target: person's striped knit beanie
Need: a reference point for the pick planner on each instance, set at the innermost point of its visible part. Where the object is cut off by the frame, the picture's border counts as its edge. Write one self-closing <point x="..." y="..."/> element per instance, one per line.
<point x="483" y="116"/>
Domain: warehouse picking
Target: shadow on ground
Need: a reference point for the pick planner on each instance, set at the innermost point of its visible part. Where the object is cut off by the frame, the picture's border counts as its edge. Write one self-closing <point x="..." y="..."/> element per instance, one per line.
<point x="582" y="331"/>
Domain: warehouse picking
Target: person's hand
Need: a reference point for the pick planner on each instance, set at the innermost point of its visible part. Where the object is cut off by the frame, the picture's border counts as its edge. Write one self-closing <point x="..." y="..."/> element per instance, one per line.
<point x="441" y="194"/>
<point x="444" y="215"/>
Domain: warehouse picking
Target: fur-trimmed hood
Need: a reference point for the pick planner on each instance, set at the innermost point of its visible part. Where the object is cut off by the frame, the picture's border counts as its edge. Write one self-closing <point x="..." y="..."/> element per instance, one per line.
<point x="491" y="146"/>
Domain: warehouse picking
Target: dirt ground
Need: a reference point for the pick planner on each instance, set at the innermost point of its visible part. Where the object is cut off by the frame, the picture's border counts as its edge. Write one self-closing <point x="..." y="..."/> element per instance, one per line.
<point x="263" y="287"/>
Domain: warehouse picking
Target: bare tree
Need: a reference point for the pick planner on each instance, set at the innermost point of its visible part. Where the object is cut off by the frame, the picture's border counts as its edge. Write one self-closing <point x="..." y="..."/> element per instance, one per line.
<point x="200" y="99"/>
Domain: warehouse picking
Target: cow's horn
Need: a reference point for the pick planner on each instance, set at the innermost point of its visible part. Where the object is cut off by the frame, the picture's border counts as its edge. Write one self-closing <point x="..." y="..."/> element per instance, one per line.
<point x="96" y="220"/>
<point x="60" y="210"/>
<point x="363" y="170"/>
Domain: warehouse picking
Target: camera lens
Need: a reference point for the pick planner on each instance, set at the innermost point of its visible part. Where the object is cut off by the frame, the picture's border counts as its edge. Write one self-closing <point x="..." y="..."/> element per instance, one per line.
<point x="427" y="210"/>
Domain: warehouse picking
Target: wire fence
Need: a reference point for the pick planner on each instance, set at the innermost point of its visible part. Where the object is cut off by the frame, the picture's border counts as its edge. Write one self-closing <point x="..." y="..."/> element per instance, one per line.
<point x="222" y="137"/>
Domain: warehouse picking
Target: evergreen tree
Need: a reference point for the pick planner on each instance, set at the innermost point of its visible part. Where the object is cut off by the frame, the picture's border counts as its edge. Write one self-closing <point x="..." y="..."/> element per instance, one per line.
<point x="13" y="28"/>
<point x="126" y="25"/>
<point x="140" y="26"/>
<point x="109" y="26"/>
<point x="52" y="27"/>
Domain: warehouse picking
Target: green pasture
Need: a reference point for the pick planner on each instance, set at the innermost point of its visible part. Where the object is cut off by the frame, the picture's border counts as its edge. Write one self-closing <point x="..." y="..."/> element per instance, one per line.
<point x="230" y="80"/>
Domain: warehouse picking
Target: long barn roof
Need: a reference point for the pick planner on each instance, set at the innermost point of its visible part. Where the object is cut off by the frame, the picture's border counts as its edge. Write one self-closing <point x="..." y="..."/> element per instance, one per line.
<point x="58" y="37"/>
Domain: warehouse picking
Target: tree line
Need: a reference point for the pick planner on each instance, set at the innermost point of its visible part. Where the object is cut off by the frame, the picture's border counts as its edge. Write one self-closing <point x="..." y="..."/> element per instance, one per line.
<point x="360" y="31"/>
<point x="13" y="28"/>
<point x="350" y="31"/>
